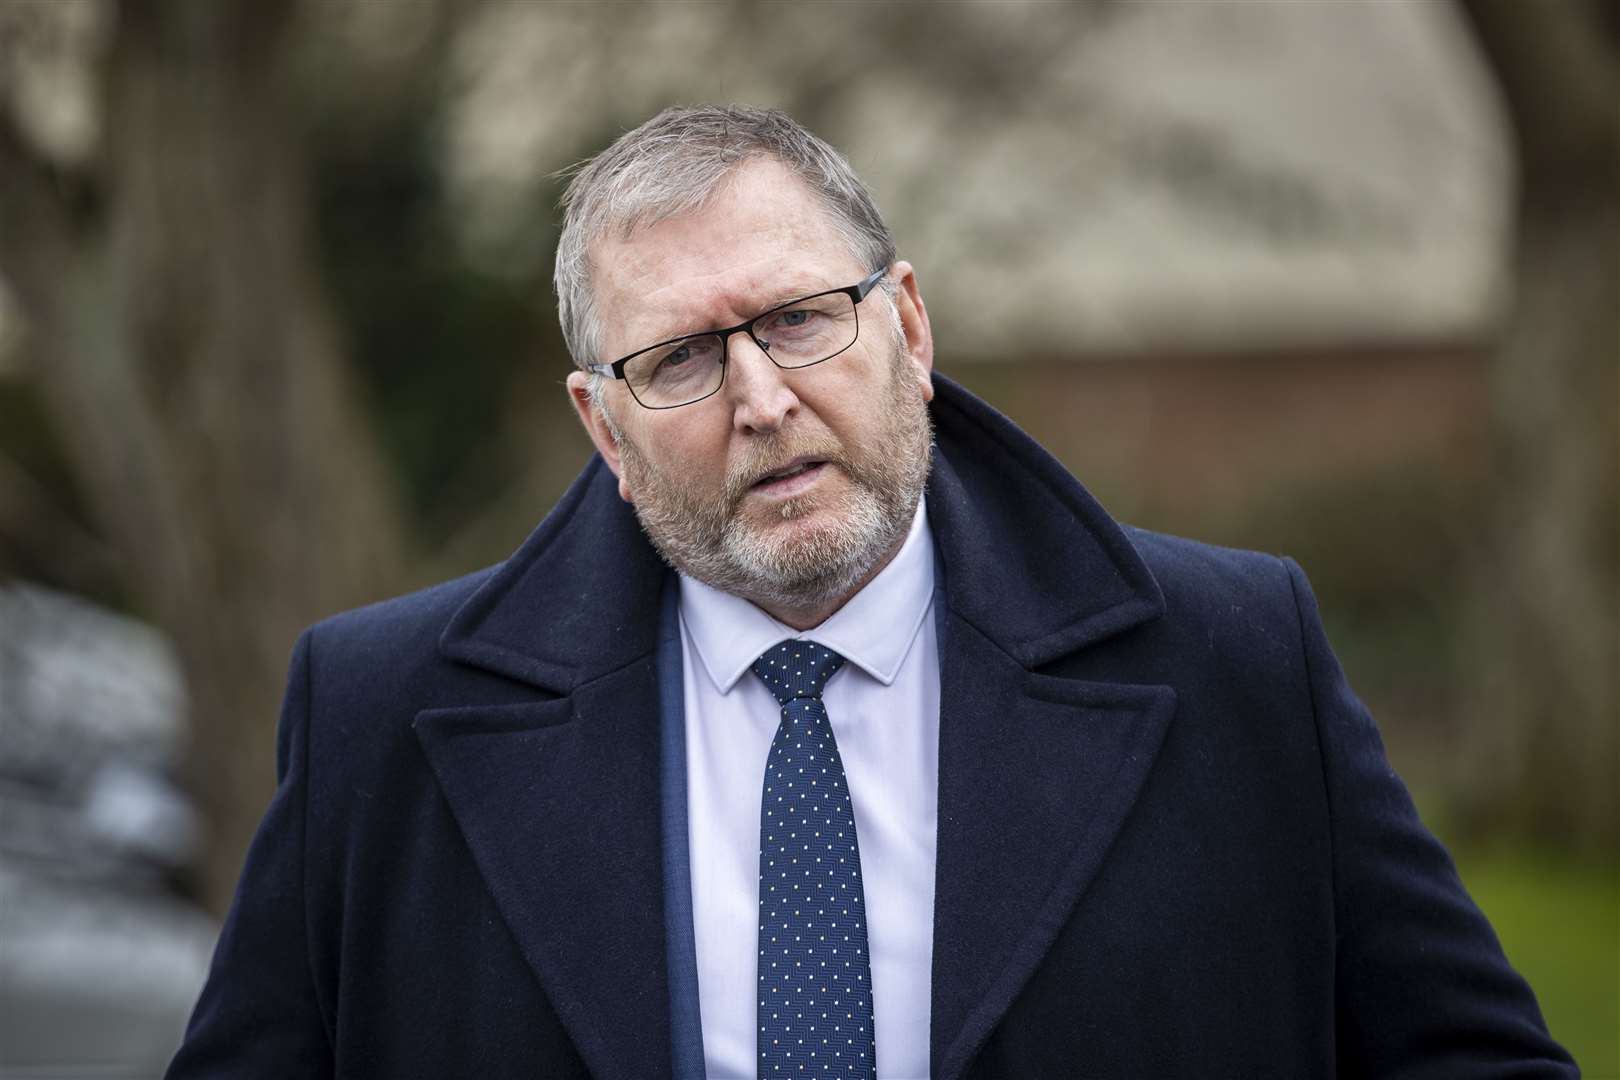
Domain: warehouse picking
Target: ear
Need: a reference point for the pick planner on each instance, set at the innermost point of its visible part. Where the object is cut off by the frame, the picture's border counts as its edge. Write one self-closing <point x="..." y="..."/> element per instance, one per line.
<point x="914" y="323"/>
<point x="596" y="426"/>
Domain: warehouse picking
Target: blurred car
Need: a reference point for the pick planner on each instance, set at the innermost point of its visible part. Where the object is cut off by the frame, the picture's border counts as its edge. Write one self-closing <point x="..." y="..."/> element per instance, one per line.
<point x="100" y="960"/>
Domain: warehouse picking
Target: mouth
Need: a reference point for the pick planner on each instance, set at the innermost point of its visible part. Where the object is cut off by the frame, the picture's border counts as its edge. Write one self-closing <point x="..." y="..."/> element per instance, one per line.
<point x="791" y="478"/>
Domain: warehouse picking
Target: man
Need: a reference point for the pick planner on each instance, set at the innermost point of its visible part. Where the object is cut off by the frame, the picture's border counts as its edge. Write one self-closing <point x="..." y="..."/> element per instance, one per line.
<point x="827" y="727"/>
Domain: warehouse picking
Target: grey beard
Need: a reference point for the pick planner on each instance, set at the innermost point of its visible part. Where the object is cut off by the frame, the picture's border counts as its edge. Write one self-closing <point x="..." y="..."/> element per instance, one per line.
<point x="711" y="542"/>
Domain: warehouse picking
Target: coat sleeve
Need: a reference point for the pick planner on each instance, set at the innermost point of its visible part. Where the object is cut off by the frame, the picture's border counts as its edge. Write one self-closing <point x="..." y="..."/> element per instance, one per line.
<point x="1422" y="986"/>
<point x="258" y="1015"/>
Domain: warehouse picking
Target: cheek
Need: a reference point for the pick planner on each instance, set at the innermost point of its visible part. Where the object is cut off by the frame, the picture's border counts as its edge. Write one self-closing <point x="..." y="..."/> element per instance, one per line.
<point x="693" y="456"/>
<point x="850" y="392"/>
<point x="864" y="406"/>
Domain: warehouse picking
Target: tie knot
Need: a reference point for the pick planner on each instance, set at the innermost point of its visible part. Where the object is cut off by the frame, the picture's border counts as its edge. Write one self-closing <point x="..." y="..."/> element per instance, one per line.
<point x="796" y="669"/>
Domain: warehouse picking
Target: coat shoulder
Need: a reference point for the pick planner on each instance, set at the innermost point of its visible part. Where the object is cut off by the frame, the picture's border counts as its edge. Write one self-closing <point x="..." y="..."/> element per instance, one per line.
<point x="1205" y="578"/>
<point x="384" y="658"/>
<point x="439" y="600"/>
<point x="399" y="628"/>
<point x="1226" y="610"/>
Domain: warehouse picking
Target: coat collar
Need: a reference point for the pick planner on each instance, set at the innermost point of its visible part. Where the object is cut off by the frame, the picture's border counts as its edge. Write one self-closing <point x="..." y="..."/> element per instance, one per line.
<point x="560" y="800"/>
<point x="578" y="599"/>
<point x="1033" y="563"/>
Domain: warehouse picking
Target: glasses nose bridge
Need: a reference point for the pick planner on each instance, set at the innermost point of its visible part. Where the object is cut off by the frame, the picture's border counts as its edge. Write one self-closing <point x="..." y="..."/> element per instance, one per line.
<point x="747" y="330"/>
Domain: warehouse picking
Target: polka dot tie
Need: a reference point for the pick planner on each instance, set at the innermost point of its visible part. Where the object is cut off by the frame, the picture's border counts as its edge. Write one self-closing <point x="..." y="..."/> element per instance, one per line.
<point x="815" y="975"/>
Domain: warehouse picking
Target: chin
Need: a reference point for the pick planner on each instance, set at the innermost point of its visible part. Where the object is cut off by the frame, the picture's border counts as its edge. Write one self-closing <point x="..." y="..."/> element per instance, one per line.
<point x="808" y="528"/>
<point x="809" y="549"/>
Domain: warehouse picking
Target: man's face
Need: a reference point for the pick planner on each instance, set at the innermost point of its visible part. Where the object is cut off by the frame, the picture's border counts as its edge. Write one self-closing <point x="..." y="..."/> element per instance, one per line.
<point x="701" y="476"/>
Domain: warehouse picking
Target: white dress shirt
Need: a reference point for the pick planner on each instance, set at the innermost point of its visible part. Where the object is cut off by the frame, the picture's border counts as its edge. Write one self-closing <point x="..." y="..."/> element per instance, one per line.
<point x="884" y="709"/>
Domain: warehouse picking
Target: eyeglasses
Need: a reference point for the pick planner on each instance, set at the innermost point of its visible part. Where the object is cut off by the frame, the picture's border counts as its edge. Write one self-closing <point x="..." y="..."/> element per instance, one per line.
<point x="797" y="334"/>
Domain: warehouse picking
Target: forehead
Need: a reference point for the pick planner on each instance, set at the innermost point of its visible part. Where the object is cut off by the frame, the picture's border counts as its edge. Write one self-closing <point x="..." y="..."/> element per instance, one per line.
<point x="765" y="237"/>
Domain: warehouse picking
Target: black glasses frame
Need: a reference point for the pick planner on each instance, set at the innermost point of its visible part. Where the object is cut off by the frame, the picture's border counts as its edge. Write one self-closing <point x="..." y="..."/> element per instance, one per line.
<point x="856" y="293"/>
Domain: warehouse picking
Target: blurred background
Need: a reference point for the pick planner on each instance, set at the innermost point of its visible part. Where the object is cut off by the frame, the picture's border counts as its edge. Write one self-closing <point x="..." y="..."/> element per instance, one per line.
<point x="1332" y="279"/>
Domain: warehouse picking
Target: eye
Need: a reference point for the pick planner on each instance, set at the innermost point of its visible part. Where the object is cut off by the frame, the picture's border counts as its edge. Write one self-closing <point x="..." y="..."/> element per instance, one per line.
<point x="795" y="321"/>
<point x="685" y="357"/>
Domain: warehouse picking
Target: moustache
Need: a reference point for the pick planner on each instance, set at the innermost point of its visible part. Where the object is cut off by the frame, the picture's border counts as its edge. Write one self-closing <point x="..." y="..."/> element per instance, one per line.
<point x="765" y="458"/>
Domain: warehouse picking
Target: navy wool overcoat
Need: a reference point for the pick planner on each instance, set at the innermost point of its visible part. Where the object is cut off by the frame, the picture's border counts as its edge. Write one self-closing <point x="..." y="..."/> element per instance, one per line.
<point x="1169" y="841"/>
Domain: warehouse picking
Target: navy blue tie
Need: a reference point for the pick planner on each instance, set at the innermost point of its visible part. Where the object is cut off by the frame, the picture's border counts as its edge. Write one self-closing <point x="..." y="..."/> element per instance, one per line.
<point x="815" y="972"/>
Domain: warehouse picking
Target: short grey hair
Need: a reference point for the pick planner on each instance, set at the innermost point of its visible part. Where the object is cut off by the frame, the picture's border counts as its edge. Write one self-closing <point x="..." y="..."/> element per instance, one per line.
<point x="673" y="164"/>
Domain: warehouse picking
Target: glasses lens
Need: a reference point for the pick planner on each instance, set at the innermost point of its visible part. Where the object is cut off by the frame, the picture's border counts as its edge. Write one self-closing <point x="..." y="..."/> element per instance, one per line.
<point x="809" y="331"/>
<point x="677" y="373"/>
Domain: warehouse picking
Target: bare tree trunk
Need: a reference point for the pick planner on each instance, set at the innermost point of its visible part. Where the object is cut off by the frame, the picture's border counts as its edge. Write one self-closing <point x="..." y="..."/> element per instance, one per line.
<point x="1546" y="656"/>
<point x="191" y="364"/>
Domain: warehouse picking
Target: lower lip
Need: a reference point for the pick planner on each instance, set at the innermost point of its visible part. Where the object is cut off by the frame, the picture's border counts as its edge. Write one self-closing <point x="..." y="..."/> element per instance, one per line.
<point x="790" y="485"/>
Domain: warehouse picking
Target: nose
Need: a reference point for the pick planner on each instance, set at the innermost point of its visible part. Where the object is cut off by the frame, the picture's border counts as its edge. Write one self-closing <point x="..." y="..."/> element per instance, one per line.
<point x="761" y="399"/>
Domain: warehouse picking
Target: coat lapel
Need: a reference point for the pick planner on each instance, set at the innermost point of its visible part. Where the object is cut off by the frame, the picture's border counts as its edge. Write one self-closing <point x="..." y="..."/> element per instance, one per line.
<point x="1037" y="773"/>
<point x="559" y="799"/>
<point x="1036" y="776"/>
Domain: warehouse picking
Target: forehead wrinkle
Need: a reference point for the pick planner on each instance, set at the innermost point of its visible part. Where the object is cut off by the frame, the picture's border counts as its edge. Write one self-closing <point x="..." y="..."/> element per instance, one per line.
<point x="724" y="305"/>
<point x="660" y="275"/>
<point x="747" y="302"/>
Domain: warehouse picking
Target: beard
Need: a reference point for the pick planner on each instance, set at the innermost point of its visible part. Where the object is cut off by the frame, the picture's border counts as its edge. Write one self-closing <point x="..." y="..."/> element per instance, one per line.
<point x="842" y="535"/>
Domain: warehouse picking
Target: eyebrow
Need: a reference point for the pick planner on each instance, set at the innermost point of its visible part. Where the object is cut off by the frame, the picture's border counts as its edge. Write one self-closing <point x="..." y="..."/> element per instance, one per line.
<point x="797" y="289"/>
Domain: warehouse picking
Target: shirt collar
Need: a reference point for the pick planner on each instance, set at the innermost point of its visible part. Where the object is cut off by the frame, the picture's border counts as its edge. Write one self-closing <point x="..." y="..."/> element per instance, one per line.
<point x="873" y="631"/>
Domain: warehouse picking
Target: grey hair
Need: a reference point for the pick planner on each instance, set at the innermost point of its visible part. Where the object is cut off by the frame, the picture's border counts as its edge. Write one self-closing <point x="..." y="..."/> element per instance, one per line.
<point x="673" y="164"/>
